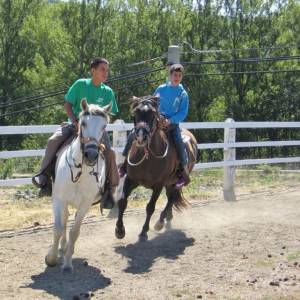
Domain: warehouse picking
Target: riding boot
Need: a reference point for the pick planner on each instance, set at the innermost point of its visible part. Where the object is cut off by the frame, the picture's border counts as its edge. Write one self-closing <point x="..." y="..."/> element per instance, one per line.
<point x="112" y="175"/>
<point x="107" y="199"/>
<point x="44" y="184"/>
<point x="123" y="167"/>
<point x="184" y="178"/>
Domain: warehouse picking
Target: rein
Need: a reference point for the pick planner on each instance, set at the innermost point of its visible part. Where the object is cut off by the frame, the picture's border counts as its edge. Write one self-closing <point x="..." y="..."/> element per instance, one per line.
<point x="77" y="166"/>
<point x="147" y="147"/>
<point x="80" y="165"/>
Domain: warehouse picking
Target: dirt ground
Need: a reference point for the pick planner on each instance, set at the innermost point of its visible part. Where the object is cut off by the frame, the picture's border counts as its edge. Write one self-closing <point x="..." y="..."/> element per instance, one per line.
<point x="249" y="249"/>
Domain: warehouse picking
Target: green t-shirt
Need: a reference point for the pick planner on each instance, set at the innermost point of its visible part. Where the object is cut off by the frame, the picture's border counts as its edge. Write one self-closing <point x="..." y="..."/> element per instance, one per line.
<point x="84" y="88"/>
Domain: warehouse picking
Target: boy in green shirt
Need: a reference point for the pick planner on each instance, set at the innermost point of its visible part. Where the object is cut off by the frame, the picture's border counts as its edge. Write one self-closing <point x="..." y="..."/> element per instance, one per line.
<point x="96" y="92"/>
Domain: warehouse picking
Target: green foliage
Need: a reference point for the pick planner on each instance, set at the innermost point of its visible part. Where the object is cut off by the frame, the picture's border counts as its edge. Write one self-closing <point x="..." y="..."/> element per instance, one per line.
<point x="46" y="45"/>
<point x="6" y="169"/>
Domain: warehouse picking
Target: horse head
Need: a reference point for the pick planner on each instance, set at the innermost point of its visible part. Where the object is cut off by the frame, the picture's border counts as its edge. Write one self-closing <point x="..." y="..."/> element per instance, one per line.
<point x="92" y="123"/>
<point x="146" y="115"/>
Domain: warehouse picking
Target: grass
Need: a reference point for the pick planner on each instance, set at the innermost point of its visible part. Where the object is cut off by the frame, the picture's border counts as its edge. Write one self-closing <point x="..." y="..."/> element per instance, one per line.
<point x="205" y="185"/>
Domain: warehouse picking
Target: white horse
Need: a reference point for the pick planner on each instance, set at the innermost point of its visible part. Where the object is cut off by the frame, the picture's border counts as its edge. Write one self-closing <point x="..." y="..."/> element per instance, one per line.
<point x="79" y="178"/>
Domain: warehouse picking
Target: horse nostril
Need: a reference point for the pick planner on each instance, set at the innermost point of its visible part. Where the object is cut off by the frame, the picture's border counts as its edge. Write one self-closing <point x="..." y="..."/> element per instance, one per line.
<point x="91" y="155"/>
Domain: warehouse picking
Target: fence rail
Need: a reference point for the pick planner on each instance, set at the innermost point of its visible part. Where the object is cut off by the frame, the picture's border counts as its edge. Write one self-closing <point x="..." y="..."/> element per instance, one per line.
<point x="229" y="145"/>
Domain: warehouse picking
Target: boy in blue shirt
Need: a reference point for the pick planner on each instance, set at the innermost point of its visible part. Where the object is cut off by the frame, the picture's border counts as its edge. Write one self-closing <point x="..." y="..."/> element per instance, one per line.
<point x="174" y="105"/>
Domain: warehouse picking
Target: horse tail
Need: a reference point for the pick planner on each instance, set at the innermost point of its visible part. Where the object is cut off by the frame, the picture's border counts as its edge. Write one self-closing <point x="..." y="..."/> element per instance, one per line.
<point x="179" y="201"/>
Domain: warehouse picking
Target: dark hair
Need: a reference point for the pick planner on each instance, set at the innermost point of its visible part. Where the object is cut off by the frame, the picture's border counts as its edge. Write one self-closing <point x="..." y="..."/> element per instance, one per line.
<point x="97" y="61"/>
<point x="176" y="68"/>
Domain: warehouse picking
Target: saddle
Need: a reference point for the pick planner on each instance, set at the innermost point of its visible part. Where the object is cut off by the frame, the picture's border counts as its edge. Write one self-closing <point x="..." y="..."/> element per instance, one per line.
<point x="49" y="171"/>
<point x="190" y="145"/>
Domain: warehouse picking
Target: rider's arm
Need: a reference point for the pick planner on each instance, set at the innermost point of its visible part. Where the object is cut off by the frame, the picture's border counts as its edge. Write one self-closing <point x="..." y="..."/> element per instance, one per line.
<point x="71" y="99"/>
<point x="182" y="111"/>
<point x="69" y="111"/>
<point x="114" y="107"/>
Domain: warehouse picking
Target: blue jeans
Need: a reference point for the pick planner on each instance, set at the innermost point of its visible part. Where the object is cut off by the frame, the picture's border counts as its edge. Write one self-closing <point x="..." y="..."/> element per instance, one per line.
<point x="175" y="133"/>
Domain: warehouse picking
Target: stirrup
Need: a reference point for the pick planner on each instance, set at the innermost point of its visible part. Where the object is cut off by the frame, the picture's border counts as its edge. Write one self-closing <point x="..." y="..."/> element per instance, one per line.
<point x="34" y="182"/>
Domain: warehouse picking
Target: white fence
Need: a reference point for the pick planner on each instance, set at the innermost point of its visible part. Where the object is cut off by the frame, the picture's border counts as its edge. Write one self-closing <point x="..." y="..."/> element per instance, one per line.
<point x="229" y="145"/>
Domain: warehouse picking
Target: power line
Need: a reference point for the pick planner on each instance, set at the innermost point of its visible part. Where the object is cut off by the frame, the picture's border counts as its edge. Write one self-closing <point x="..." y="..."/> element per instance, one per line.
<point x="161" y="79"/>
<point x="60" y="86"/>
<point x="243" y="60"/>
<point x="33" y="98"/>
<point x="31" y="109"/>
<point x="18" y="101"/>
<point x="243" y="72"/>
<point x="136" y="74"/>
<point x="146" y="61"/>
<point x="62" y="102"/>
<point x="196" y="51"/>
<point x="141" y="83"/>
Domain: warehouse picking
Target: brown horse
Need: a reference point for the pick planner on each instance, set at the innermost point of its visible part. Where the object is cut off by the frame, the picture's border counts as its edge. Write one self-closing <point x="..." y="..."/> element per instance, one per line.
<point x="152" y="162"/>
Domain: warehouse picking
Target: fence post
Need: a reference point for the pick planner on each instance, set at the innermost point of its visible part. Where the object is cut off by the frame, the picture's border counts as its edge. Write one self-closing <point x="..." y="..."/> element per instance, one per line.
<point x="229" y="171"/>
<point x="119" y="141"/>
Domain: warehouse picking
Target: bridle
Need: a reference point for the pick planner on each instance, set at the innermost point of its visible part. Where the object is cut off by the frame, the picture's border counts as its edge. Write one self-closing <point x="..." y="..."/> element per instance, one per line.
<point x="147" y="145"/>
<point x="83" y="141"/>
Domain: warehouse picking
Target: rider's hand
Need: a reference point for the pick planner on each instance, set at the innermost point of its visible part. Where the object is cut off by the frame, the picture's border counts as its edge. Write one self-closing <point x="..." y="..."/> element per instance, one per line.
<point x="75" y="124"/>
<point x="166" y="122"/>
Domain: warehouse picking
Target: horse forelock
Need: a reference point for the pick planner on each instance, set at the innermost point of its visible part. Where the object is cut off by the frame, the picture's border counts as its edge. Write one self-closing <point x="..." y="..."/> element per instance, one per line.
<point x="94" y="110"/>
<point x="142" y="103"/>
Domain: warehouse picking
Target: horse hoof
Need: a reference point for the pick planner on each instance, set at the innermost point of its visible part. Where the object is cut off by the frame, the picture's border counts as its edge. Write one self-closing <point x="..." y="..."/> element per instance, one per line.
<point x="143" y="237"/>
<point x="50" y="262"/>
<point x="159" y="226"/>
<point x="67" y="269"/>
<point x="120" y="232"/>
<point x="168" y="225"/>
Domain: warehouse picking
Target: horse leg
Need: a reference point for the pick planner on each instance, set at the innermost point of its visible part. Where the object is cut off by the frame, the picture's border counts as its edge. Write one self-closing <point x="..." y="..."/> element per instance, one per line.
<point x="73" y="235"/>
<point x="58" y="228"/>
<point x="169" y="217"/>
<point x="166" y="213"/>
<point x="129" y="186"/>
<point x="150" y="210"/>
<point x="63" y="241"/>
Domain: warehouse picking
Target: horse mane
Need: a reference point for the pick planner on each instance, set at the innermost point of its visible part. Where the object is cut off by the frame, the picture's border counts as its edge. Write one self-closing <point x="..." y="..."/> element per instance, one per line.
<point x="94" y="110"/>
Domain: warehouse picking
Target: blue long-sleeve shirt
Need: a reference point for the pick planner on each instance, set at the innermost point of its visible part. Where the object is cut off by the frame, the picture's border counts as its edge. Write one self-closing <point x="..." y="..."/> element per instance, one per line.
<point x="174" y="102"/>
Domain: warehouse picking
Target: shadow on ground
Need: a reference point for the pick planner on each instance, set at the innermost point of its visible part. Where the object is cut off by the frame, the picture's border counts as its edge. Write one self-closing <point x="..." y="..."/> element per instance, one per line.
<point x="84" y="279"/>
<point x="142" y="255"/>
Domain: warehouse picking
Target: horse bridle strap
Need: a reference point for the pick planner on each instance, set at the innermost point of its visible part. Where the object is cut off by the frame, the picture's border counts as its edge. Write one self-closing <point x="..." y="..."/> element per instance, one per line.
<point x="146" y="155"/>
<point x="77" y="166"/>
<point x="80" y="165"/>
<point x="145" y="126"/>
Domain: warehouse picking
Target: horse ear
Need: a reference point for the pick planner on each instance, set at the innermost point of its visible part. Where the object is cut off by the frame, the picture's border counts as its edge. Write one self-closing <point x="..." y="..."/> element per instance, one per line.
<point x="133" y="103"/>
<point x="155" y="99"/>
<point x="107" y="108"/>
<point x="134" y="99"/>
<point x="84" y="104"/>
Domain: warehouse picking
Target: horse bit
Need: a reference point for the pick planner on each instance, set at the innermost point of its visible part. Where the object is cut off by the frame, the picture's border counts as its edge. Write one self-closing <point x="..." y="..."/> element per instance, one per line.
<point x="146" y="145"/>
